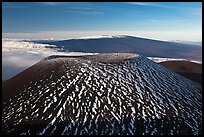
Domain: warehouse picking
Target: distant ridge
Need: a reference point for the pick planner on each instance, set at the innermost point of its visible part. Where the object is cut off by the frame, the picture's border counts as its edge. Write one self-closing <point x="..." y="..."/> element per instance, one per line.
<point x="125" y="43"/>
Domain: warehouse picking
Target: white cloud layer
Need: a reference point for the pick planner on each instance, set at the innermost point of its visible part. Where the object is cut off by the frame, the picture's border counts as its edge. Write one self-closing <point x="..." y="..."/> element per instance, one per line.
<point x="18" y="55"/>
<point x="158" y="59"/>
<point x="52" y="3"/>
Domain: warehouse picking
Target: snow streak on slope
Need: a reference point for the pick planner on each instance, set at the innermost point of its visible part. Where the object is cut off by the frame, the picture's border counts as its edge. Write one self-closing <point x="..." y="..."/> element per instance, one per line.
<point x="82" y="96"/>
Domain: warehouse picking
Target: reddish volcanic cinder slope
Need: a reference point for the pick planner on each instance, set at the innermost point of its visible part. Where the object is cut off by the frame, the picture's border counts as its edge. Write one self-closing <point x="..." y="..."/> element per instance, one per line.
<point x="105" y="94"/>
<point x="188" y="69"/>
<point x="40" y="70"/>
<point x="183" y="66"/>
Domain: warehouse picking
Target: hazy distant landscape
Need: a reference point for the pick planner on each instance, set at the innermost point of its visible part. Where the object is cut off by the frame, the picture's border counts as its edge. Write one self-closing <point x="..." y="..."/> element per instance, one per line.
<point x="34" y="51"/>
<point x="87" y="68"/>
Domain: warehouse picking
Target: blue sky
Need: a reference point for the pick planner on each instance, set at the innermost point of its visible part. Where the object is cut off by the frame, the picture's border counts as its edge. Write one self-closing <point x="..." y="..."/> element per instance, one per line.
<point x="159" y="20"/>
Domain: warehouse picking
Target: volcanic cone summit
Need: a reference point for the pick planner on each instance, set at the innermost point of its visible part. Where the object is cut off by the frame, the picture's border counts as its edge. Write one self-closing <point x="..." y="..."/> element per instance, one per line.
<point x="117" y="93"/>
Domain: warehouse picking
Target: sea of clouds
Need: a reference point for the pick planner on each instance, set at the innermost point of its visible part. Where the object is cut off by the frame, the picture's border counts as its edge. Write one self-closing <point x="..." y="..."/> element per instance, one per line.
<point x="159" y="59"/>
<point x="18" y="55"/>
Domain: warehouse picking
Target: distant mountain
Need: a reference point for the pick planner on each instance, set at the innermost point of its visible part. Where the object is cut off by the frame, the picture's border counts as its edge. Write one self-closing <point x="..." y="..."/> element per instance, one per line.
<point x="104" y="94"/>
<point x="123" y="43"/>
